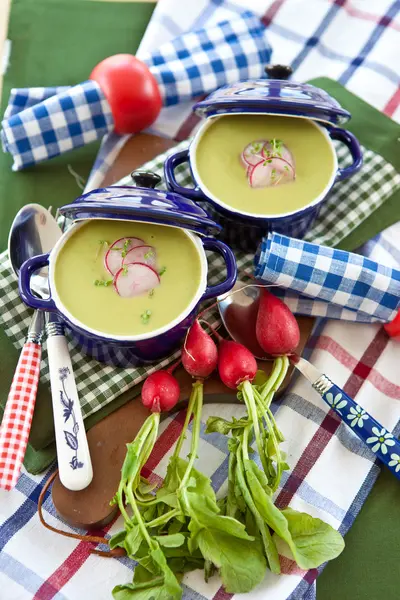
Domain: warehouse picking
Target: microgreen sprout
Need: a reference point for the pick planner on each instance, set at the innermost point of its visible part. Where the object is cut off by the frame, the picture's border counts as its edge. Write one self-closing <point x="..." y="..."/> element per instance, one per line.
<point x="145" y="316"/>
<point x="151" y="293"/>
<point x="149" y="254"/>
<point x="124" y="252"/>
<point x="101" y="245"/>
<point x="162" y="271"/>
<point x="102" y="282"/>
<point x="125" y="269"/>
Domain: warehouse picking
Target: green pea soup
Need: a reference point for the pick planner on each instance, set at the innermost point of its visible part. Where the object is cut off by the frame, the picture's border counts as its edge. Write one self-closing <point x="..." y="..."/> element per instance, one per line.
<point x="220" y="171"/>
<point x="79" y="268"/>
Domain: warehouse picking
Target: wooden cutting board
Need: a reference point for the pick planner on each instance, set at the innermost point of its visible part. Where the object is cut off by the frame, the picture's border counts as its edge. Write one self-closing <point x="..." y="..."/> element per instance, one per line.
<point x="90" y="508"/>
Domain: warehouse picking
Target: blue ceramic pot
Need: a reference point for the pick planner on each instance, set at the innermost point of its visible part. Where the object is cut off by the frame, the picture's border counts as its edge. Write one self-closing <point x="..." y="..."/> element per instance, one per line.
<point x="269" y="97"/>
<point x="133" y="204"/>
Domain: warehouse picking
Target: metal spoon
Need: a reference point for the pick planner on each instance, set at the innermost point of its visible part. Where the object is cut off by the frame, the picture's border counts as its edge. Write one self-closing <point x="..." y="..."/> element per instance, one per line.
<point x="239" y="314"/>
<point x="35" y="231"/>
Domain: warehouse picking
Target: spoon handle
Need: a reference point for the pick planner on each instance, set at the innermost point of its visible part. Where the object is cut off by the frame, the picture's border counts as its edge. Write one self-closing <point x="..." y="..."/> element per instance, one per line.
<point x="74" y="463"/>
<point x="18" y="412"/>
<point x="380" y="441"/>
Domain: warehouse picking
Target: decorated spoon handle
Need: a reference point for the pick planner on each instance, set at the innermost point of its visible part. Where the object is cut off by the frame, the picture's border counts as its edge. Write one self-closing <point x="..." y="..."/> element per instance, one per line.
<point x="373" y="434"/>
<point x="18" y="412"/>
<point x="74" y="463"/>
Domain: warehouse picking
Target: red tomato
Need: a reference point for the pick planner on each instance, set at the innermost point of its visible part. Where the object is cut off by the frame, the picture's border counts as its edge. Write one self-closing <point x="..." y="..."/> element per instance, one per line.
<point x="131" y="91"/>
<point x="393" y="328"/>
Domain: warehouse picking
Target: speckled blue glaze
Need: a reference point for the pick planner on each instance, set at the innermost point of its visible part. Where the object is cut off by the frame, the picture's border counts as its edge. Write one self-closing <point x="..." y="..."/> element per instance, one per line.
<point x="128" y="203"/>
<point x="273" y="96"/>
<point x="266" y="96"/>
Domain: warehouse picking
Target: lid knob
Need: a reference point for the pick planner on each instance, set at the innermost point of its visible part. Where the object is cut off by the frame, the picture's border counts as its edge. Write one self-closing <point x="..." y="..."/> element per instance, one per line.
<point x="278" y="71"/>
<point x="145" y="179"/>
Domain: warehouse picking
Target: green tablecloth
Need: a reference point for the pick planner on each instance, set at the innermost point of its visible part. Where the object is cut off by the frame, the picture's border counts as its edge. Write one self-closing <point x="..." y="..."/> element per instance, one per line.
<point x="57" y="42"/>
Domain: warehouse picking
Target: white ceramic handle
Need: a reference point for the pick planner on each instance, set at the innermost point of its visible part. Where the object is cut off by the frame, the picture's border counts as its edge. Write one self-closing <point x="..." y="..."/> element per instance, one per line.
<point x="74" y="463"/>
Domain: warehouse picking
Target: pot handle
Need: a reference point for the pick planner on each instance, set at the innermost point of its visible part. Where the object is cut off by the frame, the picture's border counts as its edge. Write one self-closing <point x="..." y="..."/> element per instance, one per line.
<point x="350" y="140"/>
<point x="173" y="161"/>
<point x="212" y="291"/>
<point x="24" y="282"/>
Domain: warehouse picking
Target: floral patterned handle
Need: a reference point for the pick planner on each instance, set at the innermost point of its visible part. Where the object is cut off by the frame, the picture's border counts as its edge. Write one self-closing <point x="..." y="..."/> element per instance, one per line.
<point x="377" y="438"/>
<point x="18" y="413"/>
<point x="74" y="463"/>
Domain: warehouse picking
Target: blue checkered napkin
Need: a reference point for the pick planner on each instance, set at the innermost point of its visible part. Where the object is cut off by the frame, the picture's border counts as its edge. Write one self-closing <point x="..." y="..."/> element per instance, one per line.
<point x="22" y="98"/>
<point x="41" y="123"/>
<point x="201" y="61"/>
<point x="344" y="279"/>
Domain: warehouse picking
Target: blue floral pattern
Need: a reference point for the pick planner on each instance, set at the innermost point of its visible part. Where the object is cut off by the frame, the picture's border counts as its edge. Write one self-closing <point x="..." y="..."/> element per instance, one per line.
<point x="381" y="440"/>
<point x="382" y="443"/>
<point x="336" y="402"/>
<point x="395" y="462"/>
<point x="357" y="415"/>
<point x="71" y="437"/>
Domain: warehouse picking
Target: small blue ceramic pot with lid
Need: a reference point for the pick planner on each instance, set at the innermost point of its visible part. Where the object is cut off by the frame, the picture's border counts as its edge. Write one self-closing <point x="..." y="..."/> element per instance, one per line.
<point x="266" y="98"/>
<point x="143" y="205"/>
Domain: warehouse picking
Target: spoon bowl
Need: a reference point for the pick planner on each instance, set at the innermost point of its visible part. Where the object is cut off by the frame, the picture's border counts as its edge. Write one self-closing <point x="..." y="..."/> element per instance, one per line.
<point x="238" y="309"/>
<point x="34" y="231"/>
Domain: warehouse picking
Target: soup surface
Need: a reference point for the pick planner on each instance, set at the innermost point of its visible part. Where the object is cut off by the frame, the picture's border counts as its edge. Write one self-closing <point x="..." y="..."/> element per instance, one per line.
<point x="221" y="170"/>
<point x="89" y="291"/>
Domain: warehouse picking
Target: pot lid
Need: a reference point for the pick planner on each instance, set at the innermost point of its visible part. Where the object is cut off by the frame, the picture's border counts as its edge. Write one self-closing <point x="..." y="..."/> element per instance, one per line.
<point x="273" y="96"/>
<point x="128" y="203"/>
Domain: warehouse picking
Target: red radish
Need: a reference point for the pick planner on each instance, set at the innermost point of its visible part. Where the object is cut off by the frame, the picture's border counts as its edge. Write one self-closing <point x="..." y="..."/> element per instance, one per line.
<point x="277" y="330"/>
<point x="160" y="391"/>
<point x="114" y="256"/>
<point x="260" y="175"/>
<point x="235" y="362"/>
<point x="199" y="354"/>
<point x="142" y="254"/>
<point x="135" y="279"/>
<point x="270" y="172"/>
<point x="251" y="155"/>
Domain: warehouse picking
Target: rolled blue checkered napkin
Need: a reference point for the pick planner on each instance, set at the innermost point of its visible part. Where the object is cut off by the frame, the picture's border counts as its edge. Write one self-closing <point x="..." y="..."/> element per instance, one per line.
<point x="329" y="283"/>
<point x="40" y="123"/>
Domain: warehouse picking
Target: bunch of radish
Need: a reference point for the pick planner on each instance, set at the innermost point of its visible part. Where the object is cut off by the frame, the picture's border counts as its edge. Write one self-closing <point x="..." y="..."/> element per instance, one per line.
<point x="133" y="266"/>
<point x="268" y="163"/>
<point x="181" y="526"/>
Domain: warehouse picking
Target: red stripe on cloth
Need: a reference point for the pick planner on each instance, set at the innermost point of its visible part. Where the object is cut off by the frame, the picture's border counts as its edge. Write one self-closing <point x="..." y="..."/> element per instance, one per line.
<point x="325" y="432"/>
<point x="380" y="382"/>
<point x="270" y="15"/>
<point x="331" y="422"/>
<point x="67" y="569"/>
<point x="164" y="443"/>
<point x="393" y="103"/>
<point x="81" y="553"/>
<point x="289" y="567"/>
<point x="222" y="595"/>
<point x="361" y="14"/>
<point x="328" y="428"/>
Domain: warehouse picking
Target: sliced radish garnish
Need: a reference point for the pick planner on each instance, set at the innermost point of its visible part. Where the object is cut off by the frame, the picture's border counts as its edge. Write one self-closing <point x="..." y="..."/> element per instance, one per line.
<point x="135" y="279"/>
<point x="251" y="155"/>
<point x="141" y="254"/>
<point x="277" y="149"/>
<point x="270" y="173"/>
<point x="116" y="252"/>
<point x="260" y="175"/>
